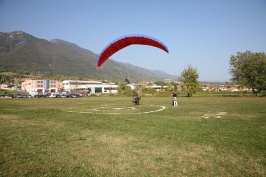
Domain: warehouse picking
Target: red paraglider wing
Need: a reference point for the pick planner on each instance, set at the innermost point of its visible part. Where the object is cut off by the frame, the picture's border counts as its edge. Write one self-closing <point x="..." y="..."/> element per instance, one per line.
<point x="125" y="41"/>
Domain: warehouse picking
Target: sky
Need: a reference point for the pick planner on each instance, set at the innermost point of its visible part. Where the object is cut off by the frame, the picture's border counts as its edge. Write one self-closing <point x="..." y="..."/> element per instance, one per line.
<point x="200" y="33"/>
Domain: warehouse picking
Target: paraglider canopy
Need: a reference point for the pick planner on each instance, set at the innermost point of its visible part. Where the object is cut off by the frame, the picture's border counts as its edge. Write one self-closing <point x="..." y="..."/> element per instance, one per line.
<point x="125" y="41"/>
<point x="20" y="43"/>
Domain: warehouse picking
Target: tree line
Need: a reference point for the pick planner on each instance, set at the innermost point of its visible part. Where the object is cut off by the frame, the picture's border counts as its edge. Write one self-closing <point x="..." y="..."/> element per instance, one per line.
<point x="247" y="69"/>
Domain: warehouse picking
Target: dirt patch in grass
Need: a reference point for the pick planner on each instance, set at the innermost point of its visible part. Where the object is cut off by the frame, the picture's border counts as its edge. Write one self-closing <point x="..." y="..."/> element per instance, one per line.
<point x="128" y="156"/>
<point x="241" y="165"/>
<point x="214" y="115"/>
<point x="15" y="120"/>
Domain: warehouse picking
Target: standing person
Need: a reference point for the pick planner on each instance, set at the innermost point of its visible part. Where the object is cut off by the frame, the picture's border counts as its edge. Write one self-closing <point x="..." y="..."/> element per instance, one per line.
<point x="174" y="95"/>
<point x="173" y="98"/>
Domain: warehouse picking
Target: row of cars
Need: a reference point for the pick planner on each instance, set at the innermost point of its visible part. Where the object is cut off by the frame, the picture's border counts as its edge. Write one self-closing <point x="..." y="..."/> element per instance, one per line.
<point x="41" y="96"/>
<point x="58" y="96"/>
<point x="14" y="96"/>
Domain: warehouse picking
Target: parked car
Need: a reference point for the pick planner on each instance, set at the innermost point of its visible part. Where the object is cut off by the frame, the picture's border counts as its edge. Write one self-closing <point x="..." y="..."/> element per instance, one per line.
<point x="61" y="96"/>
<point x="53" y="95"/>
<point x="7" y="96"/>
<point x="40" y="96"/>
<point x="20" y="95"/>
<point x="73" y="95"/>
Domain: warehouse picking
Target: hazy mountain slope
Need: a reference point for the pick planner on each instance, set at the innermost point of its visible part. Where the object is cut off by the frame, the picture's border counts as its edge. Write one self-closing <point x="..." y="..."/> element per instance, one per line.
<point x="24" y="53"/>
<point x="148" y="72"/>
<point x="41" y="56"/>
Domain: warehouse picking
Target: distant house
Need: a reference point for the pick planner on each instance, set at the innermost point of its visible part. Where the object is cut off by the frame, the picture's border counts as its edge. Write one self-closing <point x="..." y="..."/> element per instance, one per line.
<point x="134" y="86"/>
<point x="93" y="87"/>
<point x="205" y="88"/>
<point x="157" y="87"/>
<point x="40" y="85"/>
<point x="3" y="86"/>
<point x="222" y="88"/>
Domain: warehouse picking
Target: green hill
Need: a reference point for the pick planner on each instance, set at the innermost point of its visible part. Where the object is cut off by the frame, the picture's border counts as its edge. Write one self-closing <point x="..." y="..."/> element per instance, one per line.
<point x="24" y="53"/>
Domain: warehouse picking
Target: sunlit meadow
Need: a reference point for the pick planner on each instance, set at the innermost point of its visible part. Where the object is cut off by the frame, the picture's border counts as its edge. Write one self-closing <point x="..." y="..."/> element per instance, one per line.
<point x="110" y="136"/>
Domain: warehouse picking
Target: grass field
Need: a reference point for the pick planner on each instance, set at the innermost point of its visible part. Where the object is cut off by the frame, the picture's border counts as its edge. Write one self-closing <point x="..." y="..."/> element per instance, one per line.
<point x="109" y="136"/>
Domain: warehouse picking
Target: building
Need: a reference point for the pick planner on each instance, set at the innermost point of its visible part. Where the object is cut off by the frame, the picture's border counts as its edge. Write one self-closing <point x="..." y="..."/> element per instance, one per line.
<point x="94" y="87"/>
<point x="134" y="86"/>
<point x="157" y="87"/>
<point x="40" y="86"/>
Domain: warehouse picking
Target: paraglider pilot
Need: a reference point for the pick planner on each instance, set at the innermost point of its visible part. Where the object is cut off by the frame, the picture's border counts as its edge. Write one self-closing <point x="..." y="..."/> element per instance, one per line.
<point x="136" y="100"/>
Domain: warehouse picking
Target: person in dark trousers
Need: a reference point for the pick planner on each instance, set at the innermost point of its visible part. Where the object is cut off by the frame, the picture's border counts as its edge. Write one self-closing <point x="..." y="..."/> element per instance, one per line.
<point x="136" y="100"/>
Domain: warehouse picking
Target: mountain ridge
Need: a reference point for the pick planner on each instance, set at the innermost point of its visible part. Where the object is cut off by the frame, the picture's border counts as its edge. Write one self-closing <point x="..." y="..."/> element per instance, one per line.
<point x="23" y="53"/>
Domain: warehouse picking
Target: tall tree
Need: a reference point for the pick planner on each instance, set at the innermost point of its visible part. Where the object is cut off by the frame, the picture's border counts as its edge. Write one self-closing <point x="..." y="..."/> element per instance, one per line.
<point x="127" y="81"/>
<point x="249" y="69"/>
<point x="172" y="86"/>
<point x="123" y="89"/>
<point x="161" y="83"/>
<point x="189" y="77"/>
